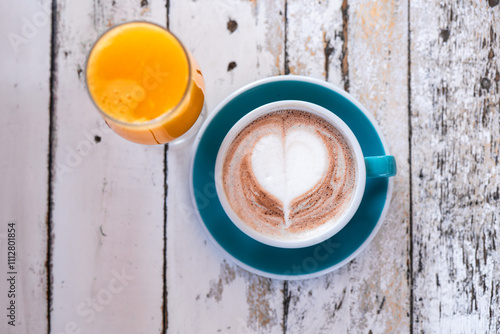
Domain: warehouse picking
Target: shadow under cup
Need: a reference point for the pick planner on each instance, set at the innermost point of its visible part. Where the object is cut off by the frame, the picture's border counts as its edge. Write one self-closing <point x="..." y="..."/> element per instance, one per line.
<point x="329" y="228"/>
<point x="145" y="83"/>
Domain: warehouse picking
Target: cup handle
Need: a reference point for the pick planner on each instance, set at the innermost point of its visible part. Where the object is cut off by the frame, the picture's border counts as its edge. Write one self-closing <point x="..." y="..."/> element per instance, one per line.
<point x="381" y="166"/>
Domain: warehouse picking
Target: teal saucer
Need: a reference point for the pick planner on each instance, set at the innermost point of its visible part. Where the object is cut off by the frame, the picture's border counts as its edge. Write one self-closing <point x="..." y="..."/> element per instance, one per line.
<point x="266" y="260"/>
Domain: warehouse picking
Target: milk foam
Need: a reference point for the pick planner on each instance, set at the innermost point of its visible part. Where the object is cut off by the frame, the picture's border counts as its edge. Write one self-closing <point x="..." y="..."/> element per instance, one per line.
<point x="289" y="175"/>
<point x="290" y="165"/>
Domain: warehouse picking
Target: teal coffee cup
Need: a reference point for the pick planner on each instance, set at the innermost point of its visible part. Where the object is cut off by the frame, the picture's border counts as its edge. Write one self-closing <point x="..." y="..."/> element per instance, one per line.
<point x="291" y="174"/>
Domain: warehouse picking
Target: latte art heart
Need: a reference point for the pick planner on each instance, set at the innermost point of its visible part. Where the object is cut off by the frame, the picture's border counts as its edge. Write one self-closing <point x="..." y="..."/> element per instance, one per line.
<point x="289" y="173"/>
<point x="289" y="165"/>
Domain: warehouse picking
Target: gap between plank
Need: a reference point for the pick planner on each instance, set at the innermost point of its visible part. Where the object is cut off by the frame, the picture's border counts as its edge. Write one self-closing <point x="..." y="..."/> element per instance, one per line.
<point x="50" y="159"/>
<point x="165" y="192"/>
<point x="344" y="68"/>
<point x="165" y="209"/>
<point x="167" y="6"/>
<point x="285" y="42"/>
<point x="410" y="223"/>
<point x="286" y="304"/>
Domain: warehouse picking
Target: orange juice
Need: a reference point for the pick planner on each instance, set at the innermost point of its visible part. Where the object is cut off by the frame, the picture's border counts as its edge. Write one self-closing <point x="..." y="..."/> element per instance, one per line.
<point x="148" y="87"/>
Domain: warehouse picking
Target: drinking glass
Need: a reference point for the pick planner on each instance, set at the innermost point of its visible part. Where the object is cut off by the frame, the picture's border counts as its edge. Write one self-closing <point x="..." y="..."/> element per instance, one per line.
<point x="146" y="84"/>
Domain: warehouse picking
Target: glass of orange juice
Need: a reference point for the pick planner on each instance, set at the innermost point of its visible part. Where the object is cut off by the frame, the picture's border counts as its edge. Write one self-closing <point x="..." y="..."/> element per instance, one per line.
<point x="146" y="84"/>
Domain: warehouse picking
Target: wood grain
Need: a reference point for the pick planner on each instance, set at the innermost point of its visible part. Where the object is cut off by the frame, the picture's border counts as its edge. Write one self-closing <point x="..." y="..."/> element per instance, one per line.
<point x="372" y="293"/>
<point x="241" y="42"/>
<point x="108" y="194"/>
<point x="24" y="147"/>
<point x="455" y="117"/>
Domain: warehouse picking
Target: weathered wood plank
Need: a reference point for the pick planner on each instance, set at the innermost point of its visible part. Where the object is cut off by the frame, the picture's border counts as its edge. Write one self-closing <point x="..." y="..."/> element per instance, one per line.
<point x="315" y="39"/>
<point x="455" y="117"/>
<point x="108" y="194"/>
<point x="24" y="145"/>
<point x="235" y="43"/>
<point x="378" y="74"/>
<point x="372" y="293"/>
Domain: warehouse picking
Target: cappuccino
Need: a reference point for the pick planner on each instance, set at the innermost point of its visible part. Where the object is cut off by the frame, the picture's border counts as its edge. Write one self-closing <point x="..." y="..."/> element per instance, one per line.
<point x="289" y="175"/>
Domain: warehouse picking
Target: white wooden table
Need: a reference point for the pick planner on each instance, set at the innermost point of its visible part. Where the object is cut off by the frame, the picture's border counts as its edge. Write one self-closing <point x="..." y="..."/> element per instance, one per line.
<point x="106" y="240"/>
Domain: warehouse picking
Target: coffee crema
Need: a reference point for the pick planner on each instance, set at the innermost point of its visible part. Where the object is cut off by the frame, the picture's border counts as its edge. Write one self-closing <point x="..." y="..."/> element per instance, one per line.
<point x="289" y="174"/>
